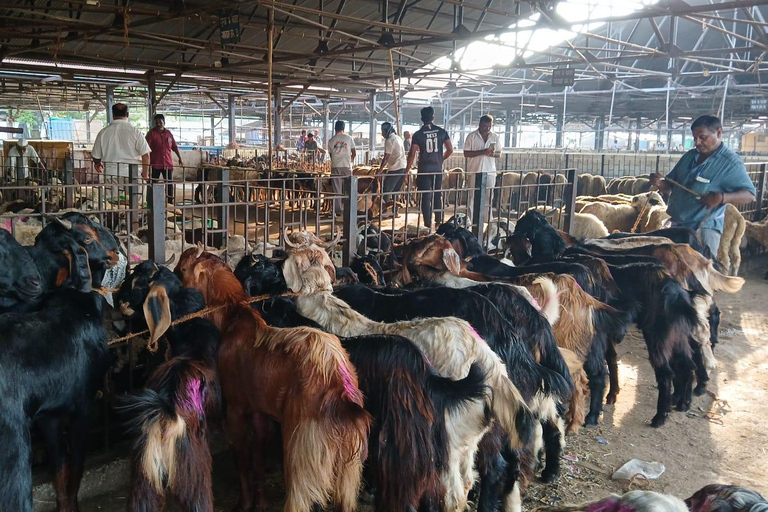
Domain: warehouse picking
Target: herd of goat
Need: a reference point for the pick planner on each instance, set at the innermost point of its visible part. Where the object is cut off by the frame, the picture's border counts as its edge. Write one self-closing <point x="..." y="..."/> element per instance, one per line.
<point x="459" y="383"/>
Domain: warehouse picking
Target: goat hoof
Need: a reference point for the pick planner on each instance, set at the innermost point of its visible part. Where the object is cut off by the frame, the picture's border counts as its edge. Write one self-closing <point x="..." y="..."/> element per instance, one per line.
<point x="700" y="389"/>
<point x="610" y="399"/>
<point x="591" y="420"/>
<point x="659" y="420"/>
<point x="683" y="406"/>
<point x="548" y="477"/>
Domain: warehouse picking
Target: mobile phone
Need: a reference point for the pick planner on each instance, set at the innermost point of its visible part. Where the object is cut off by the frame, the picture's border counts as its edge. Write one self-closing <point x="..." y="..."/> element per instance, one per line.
<point x="493" y="146"/>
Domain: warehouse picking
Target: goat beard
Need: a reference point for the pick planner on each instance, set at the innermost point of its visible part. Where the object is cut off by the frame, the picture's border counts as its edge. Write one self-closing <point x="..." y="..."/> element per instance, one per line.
<point x="315" y="279"/>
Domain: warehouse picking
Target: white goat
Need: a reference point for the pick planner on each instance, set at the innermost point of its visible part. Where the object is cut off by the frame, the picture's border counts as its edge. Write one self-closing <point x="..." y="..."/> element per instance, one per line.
<point x="450" y="344"/>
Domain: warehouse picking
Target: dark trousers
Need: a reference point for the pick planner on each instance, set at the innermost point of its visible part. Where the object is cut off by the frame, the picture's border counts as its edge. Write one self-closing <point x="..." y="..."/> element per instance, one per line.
<point x="393" y="182"/>
<point x="429" y="185"/>
<point x="167" y="175"/>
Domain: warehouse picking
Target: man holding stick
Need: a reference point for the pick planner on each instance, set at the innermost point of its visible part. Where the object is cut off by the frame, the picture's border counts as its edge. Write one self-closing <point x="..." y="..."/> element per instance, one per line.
<point x="703" y="181"/>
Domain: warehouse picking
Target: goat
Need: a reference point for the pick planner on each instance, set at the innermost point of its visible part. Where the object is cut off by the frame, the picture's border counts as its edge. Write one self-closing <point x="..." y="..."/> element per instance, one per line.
<point x="450" y="344"/>
<point x="575" y="415"/>
<point x="409" y="403"/>
<point x="300" y="377"/>
<point x="541" y="387"/>
<point x="463" y="241"/>
<point x="726" y="498"/>
<point x="589" y="328"/>
<point x="52" y="362"/>
<point x="258" y="274"/>
<point x="633" y="501"/>
<point x="368" y="270"/>
<point x="171" y="453"/>
<point x="19" y="279"/>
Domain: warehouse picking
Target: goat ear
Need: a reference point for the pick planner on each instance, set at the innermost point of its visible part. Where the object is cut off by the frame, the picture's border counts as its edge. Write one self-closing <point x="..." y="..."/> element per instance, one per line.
<point x="331" y="272"/>
<point x="157" y="313"/>
<point x="200" y="250"/>
<point x="405" y="274"/>
<point x="80" y="270"/>
<point x="292" y="275"/>
<point x="452" y="261"/>
<point x="58" y="220"/>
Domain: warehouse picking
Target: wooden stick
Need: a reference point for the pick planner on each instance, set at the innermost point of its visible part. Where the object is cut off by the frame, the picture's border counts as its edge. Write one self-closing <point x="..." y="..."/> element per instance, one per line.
<point x="694" y="194"/>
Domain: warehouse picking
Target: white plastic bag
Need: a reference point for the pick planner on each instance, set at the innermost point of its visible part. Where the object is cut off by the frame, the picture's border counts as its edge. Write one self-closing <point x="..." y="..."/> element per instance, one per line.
<point x="650" y="470"/>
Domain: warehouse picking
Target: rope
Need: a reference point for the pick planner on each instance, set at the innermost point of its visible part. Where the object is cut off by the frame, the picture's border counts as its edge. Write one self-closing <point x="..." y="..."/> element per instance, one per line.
<point x="642" y="212"/>
<point x="152" y="347"/>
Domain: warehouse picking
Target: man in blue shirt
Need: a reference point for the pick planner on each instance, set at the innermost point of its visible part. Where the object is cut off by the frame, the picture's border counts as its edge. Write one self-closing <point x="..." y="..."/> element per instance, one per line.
<point x="715" y="173"/>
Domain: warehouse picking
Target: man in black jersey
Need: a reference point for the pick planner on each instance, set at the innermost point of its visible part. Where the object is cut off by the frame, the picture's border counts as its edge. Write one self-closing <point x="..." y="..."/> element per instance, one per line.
<point x="429" y="142"/>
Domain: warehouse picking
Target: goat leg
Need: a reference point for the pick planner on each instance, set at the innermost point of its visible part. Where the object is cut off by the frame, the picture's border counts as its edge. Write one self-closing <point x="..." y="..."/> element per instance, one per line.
<point x="491" y="468"/>
<point x="79" y="425"/>
<point x="702" y="376"/>
<point x="57" y="459"/>
<point x="683" y="366"/>
<point x="714" y="324"/>
<point x="237" y="427"/>
<point x="552" y="447"/>
<point x="595" y="369"/>
<point x="15" y="463"/>
<point x="260" y="438"/>
<point x="664" y="403"/>
<point x="613" y="373"/>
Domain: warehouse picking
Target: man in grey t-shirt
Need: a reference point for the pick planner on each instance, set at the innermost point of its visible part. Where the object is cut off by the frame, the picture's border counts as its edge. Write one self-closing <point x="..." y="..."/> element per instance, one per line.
<point x="429" y="141"/>
<point x="341" y="149"/>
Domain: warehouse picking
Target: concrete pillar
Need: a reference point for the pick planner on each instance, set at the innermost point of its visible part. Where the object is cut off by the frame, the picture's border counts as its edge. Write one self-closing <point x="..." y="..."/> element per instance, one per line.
<point x="110" y="102"/>
<point x="446" y="114"/>
<point x="515" y="131"/>
<point x="326" y="123"/>
<point x="88" y="125"/>
<point x="231" y="119"/>
<point x="559" y="131"/>
<point x="151" y="98"/>
<point x="213" y="131"/>
<point x="463" y="135"/>
<point x="372" y="122"/>
<point x="600" y="132"/>
<point x="277" y="136"/>
<point x="683" y="131"/>
<point x="637" y="133"/>
<point x="508" y="128"/>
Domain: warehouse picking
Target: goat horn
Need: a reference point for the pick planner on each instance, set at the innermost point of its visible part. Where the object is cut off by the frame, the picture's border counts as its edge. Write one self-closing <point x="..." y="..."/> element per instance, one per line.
<point x="335" y="240"/>
<point x="58" y="220"/>
<point x="170" y="260"/>
<point x="254" y="257"/>
<point x="200" y="249"/>
<point x="287" y="240"/>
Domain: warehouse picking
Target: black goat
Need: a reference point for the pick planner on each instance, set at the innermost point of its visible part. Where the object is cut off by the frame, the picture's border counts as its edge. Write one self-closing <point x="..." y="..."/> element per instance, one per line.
<point x="370" y="239"/>
<point x="538" y="385"/>
<point x="368" y="270"/>
<point x="259" y="275"/>
<point x="170" y="416"/>
<point x="461" y="238"/>
<point x="678" y="236"/>
<point x="408" y="400"/>
<point x="52" y="362"/>
<point x="19" y="279"/>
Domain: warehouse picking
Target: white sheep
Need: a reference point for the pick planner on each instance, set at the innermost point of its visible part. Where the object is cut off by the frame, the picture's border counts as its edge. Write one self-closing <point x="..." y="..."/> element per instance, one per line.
<point x="615" y="217"/>
<point x="583" y="225"/>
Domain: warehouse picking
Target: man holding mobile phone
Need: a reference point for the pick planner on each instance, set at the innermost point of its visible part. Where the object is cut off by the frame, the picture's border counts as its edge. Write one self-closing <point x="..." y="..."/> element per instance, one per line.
<point x="480" y="152"/>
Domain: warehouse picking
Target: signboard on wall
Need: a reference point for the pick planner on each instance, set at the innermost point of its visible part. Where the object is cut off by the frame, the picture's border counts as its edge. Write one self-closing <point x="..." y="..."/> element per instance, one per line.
<point x="758" y="104"/>
<point x="563" y="77"/>
<point x="229" y="27"/>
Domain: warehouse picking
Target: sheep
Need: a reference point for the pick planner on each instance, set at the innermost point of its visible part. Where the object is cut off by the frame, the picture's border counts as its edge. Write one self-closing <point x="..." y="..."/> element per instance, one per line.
<point x="615" y="217"/>
<point x="451" y="346"/>
<point x="584" y="185"/>
<point x="455" y="180"/>
<point x="25" y="229"/>
<point x="640" y="186"/>
<point x="728" y="252"/>
<point x="633" y="501"/>
<point x="510" y="190"/>
<point x="598" y="186"/>
<point x="583" y="225"/>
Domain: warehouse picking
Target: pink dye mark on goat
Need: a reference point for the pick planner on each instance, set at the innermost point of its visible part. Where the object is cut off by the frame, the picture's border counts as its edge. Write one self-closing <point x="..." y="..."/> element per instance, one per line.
<point x="193" y="396"/>
<point x="135" y="258"/>
<point x="474" y="332"/>
<point x="349" y="384"/>
<point x="7" y="226"/>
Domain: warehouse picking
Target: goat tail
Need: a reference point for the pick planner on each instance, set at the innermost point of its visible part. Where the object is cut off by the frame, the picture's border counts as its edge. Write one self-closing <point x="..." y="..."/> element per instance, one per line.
<point x="448" y="394"/>
<point x="550" y="307"/>
<point x="701" y="331"/>
<point x="325" y="456"/>
<point x="720" y="282"/>
<point x="508" y="405"/>
<point x="162" y="431"/>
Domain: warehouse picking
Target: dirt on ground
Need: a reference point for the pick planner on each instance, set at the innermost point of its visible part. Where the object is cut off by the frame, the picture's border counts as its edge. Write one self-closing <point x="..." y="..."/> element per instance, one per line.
<point x="722" y="439"/>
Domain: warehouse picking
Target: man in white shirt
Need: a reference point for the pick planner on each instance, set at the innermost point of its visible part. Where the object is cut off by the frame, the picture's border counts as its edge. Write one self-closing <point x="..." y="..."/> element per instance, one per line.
<point x="119" y="145"/>
<point x="341" y="149"/>
<point x="18" y="160"/>
<point x="480" y="152"/>
<point x="394" y="156"/>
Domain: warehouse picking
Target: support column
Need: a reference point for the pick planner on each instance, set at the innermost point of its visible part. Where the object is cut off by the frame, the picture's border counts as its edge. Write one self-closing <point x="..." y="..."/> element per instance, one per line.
<point x="600" y="132"/>
<point x="151" y="98"/>
<point x="637" y="133"/>
<point x="231" y="119"/>
<point x="446" y="114"/>
<point x="213" y="132"/>
<point x="110" y="102"/>
<point x="508" y="129"/>
<point x="515" y="132"/>
<point x="326" y="123"/>
<point x="463" y="136"/>
<point x="372" y="123"/>
<point x="88" y="125"/>
<point x="277" y="136"/>
<point x="559" y="131"/>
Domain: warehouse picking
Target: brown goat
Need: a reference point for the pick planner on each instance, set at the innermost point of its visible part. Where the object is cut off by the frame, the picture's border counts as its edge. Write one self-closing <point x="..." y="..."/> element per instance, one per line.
<point x="301" y="377"/>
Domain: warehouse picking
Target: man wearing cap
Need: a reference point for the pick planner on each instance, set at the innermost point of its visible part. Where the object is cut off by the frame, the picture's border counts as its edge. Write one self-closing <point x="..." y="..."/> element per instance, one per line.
<point x="119" y="145"/>
<point x="17" y="163"/>
<point x="162" y="143"/>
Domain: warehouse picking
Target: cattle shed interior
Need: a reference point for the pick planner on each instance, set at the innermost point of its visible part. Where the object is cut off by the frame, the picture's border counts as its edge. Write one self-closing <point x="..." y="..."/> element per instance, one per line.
<point x="628" y="360"/>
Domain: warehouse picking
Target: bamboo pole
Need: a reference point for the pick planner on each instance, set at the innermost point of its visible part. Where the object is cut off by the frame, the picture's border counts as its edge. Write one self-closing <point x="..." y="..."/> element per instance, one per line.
<point x="394" y="91"/>
<point x="271" y="30"/>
